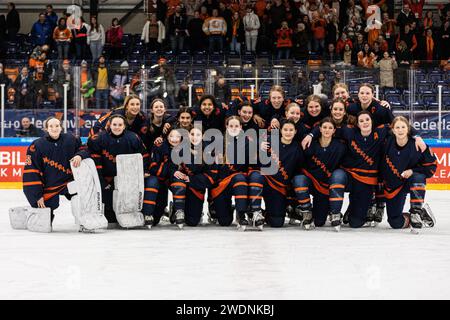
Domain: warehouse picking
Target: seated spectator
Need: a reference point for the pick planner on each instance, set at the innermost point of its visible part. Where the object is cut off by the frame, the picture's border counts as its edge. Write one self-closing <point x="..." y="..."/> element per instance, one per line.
<point x="183" y="95"/>
<point x="330" y="57"/>
<point x="222" y="92"/>
<point x="63" y="76"/>
<point x="347" y="55"/>
<point x="366" y="57"/>
<point x="322" y="87"/>
<point x="119" y="80"/>
<point x="24" y="88"/>
<point x="300" y="85"/>
<point x="27" y="129"/>
<point x="343" y="40"/>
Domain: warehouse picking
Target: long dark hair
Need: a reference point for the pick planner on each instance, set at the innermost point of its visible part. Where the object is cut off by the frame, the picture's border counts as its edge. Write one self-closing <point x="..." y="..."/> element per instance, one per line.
<point x="96" y="23"/>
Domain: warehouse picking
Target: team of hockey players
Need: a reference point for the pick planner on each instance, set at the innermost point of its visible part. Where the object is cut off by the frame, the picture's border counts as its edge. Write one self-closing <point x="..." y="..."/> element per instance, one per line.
<point x="323" y="151"/>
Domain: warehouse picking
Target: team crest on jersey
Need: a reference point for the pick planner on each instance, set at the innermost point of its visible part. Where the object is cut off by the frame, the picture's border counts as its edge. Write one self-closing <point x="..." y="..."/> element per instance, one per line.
<point x="28" y="159"/>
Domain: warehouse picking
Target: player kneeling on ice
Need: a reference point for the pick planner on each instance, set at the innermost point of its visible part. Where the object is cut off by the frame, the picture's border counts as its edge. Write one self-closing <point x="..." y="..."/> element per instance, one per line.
<point x="287" y="155"/>
<point x="157" y="184"/>
<point x="190" y="176"/>
<point x="121" y="160"/>
<point x="232" y="176"/>
<point x="47" y="174"/>
<point x="405" y="170"/>
<point x="322" y="156"/>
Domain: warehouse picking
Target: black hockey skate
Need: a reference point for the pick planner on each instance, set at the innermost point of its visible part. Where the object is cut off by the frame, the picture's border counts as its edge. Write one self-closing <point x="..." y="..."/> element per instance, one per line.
<point x="308" y="220"/>
<point x="296" y="217"/>
<point x="335" y="219"/>
<point x="370" y="216"/>
<point x="427" y="216"/>
<point x="242" y="221"/>
<point x="379" y="213"/>
<point x="149" y="220"/>
<point x="415" y="218"/>
<point x="178" y="218"/>
<point x="257" y="219"/>
<point x="212" y="216"/>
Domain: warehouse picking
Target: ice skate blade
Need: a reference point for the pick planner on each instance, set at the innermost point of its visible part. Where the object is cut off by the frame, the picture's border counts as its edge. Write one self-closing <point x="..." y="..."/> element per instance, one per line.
<point x="241" y="228"/>
<point x="308" y="226"/>
<point x="295" y="222"/>
<point x="374" y="224"/>
<point x="337" y="228"/>
<point x="180" y="226"/>
<point x="260" y="228"/>
<point x="414" y="230"/>
<point x="149" y="226"/>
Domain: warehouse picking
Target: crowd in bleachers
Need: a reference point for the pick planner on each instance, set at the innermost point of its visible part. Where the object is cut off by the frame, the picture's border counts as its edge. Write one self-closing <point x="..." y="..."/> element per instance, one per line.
<point x="366" y="38"/>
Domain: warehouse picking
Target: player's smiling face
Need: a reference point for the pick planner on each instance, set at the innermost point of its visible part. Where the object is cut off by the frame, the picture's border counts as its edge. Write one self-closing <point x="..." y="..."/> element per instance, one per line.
<point x="365" y="123"/>
<point x="207" y="107"/>
<point x="158" y="109"/>
<point x="174" y="138"/>
<point x="54" y="128"/>
<point x="234" y="127"/>
<point x="341" y="93"/>
<point x="293" y="114"/>
<point x="185" y="119"/>
<point x="246" y="113"/>
<point x="276" y="99"/>
<point x="338" y="111"/>
<point x="134" y="106"/>
<point x="400" y="130"/>
<point x="314" y="108"/>
<point x="365" y="95"/>
<point x="327" y="129"/>
<point x="288" y="132"/>
<point x="195" y="136"/>
<point x="117" y="126"/>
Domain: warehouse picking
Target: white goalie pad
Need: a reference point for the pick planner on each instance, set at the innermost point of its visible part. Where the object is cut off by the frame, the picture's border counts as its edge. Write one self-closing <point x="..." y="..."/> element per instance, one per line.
<point x="86" y="202"/>
<point x="128" y="195"/>
<point x="18" y="217"/>
<point x="38" y="219"/>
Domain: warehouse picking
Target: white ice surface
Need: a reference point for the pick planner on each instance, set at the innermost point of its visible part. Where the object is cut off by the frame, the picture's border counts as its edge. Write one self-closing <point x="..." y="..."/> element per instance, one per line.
<point x="211" y="262"/>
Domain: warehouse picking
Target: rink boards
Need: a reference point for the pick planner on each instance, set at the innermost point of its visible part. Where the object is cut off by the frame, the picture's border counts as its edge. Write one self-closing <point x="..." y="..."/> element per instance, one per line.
<point x="13" y="152"/>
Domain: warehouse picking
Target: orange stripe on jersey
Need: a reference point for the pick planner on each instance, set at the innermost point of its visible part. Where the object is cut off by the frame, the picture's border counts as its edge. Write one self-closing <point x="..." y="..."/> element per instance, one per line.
<point x="209" y="178"/>
<point x="151" y="190"/>
<point x="222" y="186"/>
<point x="301" y="189"/>
<point x="336" y="199"/>
<point x="418" y="188"/>
<point x="304" y="200"/>
<point x="57" y="187"/>
<point x="416" y="200"/>
<point x="240" y="197"/>
<point x="335" y="186"/>
<point x="362" y="170"/>
<point x="391" y="194"/>
<point x="179" y="197"/>
<point x="178" y="184"/>
<point x="366" y="180"/>
<point x="429" y="164"/>
<point x="273" y="185"/>
<point x="197" y="193"/>
<point x="48" y="196"/>
<point x="32" y="171"/>
<point x="26" y="184"/>
<point x="254" y="184"/>
<point x="319" y="187"/>
<point x="240" y="184"/>
<point x="149" y="202"/>
<point x="255" y="197"/>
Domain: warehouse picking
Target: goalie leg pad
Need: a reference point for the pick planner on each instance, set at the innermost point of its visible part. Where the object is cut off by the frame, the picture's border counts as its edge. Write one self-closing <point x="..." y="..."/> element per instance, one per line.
<point x="39" y="220"/>
<point x="87" y="207"/>
<point x="128" y="195"/>
<point x="18" y="217"/>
